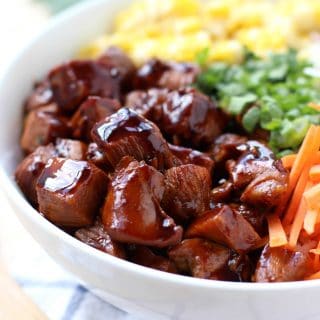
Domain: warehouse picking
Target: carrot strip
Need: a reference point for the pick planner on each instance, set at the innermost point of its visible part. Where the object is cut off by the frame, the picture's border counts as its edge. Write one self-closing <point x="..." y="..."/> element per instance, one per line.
<point x="277" y="235"/>
<point x="297" y="224"/>
<point x="305" y="157"/>
<point x="310" y="220"/>
<point x="288" y="160"/>
<point x="314" y="173"/>
<point x="296" y="197"/>
<point x="313" y="276"/>
<point x="298" y="177"/>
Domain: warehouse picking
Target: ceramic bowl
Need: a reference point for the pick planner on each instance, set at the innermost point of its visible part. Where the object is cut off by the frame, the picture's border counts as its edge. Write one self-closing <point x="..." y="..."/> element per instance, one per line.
<point x="148" y="293"/>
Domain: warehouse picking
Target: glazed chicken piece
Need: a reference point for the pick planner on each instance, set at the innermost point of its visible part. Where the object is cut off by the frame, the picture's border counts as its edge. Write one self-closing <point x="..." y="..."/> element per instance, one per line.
<point x="71" y="149"/>
<point x="145" y="257"/>
<point x="222" y="192"/>
<point x="132" y="212"/>
<point x="29" y="170"/>
<point x="225" y="226"/>
<point x="160" y="74"/>
<point x="225" y="147"/>
<point x="281" y="264"/>
<point x="97" y="237"/>
<point x="69" y="84"/>
<point x="148" y="103"/>
<point x="187" y="191"/>
<point x="71" y="192"/>
<point x="190" y="156"/>
<point x="41" y="127"/>
<point x="185" y="115"/>
<point x="97" y="157"/>
<point x="41" y="96"/>
<point x="205" y="259"/>
<point x="126" y="133"/>
<point x="262" y="179"/>
<point x="91" y="111"/>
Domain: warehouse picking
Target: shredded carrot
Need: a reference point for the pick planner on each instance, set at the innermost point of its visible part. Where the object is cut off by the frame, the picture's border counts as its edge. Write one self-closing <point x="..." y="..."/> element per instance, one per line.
<point x="310" y="221"/>
<point x="297" y="224"/>
<point x="277" y="235"/>
<point x="305" y="159"/>
<point x="299" y="173"/>
<point x="296" y="197"/>
<point x="314" y="173"/>
<point x="306" y="152"/>
<point x="288" y="160"/>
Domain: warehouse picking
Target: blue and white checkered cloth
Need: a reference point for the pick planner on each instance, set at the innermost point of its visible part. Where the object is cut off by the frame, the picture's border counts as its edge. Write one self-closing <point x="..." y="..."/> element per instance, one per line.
<point x="58" y="294"/>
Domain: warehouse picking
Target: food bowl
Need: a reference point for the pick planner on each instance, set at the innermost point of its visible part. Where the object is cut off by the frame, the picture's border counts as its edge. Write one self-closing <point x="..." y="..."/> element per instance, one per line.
<point x="149" y="293"/>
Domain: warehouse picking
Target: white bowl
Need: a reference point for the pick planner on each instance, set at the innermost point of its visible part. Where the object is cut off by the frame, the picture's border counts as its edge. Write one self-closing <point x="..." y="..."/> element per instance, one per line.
<point x="149" y="293"/>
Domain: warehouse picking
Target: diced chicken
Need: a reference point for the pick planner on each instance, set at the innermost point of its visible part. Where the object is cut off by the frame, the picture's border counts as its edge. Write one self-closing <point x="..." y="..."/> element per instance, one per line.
<point x="208" y="260"/>
<point x="222" y="193"/>
<point x="190" y="156"/>
<point x="187" y="191"/>
<point x="91" y="111"/>
<point x="97" y="157"/>
<point x="126" y="133"/>
<point x="263" y="180"/>
<point x="29" y="170"/>
<point x="281" y="264"/>
<point x="225" y="226"/>
<point x="144" y="256"/>
<point x="132" y="211"/>
<point x="41" y="127"/>
<point x="41" y="96"/>
<point x="172" y="75"/>
<point x="71" y="192"/>
<point x="97" y="237"/>
<point x="225" y="147"/>
<point x="72" y="149"/>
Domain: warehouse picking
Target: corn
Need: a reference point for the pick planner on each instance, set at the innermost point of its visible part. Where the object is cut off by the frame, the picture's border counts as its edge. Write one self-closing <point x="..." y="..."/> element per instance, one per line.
<point x="179" y="29"/>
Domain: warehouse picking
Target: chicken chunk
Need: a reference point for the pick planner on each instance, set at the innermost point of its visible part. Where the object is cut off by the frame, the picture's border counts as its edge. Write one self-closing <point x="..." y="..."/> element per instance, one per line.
<point x="97" y="237"/>
<point x="91" y="111"/>
<point x="71" y="192"/>
<point x="29" y="170"/>
<point x="126" y="133"/>
<point x="172" y="75"/>
<point x="132" y="211"/>
<point x="42" y="126"/>
<point x="262" y="179"/>
<point x="187" y="191"/>
<point x="281" y="264"/>
<point x="208" y="260"/>
<point x="191" y="156"/>
<point x="146" y="257"/>
<point x="225" y="226"/>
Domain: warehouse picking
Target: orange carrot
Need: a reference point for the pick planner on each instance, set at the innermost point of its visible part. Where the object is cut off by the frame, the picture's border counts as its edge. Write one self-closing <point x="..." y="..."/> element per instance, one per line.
<point x="288" y="160"/>
<point x="296" y="197"/>
<point x="314" y="173"/>
<point x="305" y="158"/>
<point x="277" y="235"/>
<point x="297" y="223"/>
<point x="310" y="221"/>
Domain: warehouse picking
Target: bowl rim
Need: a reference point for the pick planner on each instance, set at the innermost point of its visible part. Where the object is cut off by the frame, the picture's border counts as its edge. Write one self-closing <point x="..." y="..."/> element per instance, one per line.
<point x="11" y="191"/>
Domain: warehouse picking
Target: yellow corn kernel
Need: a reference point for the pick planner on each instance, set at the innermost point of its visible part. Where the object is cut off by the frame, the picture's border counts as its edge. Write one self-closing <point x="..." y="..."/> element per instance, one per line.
<point x="230" y="51"/>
